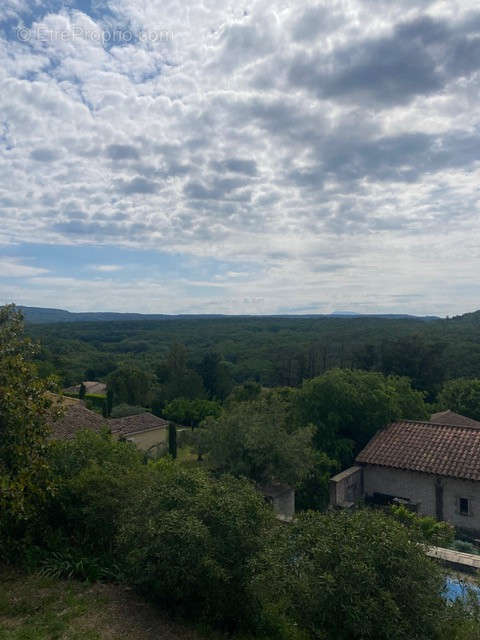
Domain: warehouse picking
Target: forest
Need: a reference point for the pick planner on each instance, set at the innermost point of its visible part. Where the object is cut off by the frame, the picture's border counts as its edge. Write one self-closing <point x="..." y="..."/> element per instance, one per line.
<point x="274" y="351"/>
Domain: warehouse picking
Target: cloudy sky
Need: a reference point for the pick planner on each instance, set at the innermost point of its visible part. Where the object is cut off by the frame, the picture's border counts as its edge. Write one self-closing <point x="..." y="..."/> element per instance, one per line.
<point x="240" y="157"/>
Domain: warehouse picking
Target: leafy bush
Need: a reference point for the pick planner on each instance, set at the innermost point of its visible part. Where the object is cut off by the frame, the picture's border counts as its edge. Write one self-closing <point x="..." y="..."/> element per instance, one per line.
<point x="430" y="530"/>
<point x="351" y="576"/>
<point x="96" y="475"/>
<point x="189" y="541"/>
<point x="464" y="547"/>
<point x="94" y="401"/>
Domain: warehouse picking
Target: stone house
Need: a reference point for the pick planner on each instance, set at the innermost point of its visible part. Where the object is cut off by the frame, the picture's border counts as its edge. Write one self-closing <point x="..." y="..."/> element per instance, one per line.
<point x="431" y="467"/>
<point x="145" y="430"/>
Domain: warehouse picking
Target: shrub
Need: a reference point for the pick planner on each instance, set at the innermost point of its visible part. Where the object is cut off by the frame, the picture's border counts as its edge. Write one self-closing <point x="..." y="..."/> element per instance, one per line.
<point x="94" y="401"/>
<point x="430" y="530"/>
<point x="348" y="576"/>
<point x="189" y="542"/>
<point x="96" y="475"/>
<point x="464" y="547"/>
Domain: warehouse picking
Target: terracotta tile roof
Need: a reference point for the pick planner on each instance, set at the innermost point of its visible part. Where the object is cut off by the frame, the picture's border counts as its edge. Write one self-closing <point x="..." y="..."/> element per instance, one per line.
<point x="445" y="450"/>
<point x="76" y="418"/>
<point x="136" y="424"/>
<point x="450" y="417"/>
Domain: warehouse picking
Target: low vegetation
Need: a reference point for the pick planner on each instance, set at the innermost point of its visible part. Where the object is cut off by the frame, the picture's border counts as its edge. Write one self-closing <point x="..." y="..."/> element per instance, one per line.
<point x="39" y="607"/>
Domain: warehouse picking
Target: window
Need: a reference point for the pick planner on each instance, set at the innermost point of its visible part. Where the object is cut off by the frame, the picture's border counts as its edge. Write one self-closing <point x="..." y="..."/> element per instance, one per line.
<point x="464" y="506"/>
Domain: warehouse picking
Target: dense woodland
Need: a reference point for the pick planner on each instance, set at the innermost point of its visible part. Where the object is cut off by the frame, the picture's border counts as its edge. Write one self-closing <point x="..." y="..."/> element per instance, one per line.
<point x="272" y="351"/>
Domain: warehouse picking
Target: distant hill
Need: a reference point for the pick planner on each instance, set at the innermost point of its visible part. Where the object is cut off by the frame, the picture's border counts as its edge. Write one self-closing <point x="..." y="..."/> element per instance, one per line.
<point x="39" y="315"/>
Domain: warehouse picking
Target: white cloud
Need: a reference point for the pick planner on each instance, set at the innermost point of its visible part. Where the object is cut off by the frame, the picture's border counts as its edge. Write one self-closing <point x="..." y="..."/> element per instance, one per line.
<point x="345" y="128"/>
<point x="106" y="268"/>
<point x="13" y="268"/>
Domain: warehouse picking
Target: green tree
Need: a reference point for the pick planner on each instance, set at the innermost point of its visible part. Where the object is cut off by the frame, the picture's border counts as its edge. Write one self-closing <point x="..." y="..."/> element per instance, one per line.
<point x="109" y="402"/>
<point x="249" y="390"/>
<point x="417" y="358"/>
<point x="216" y="375"/>
<point x="352" y="576"/>
<point x="130" y="385"/>
<point x="177" y="379"/>
<point x="82" y="391"/>
<point x="191" y="413"/>
<point x="172" y="440"/>
<point x="461" y="396"/>
<point x="256" y="440"/>
<point x="25" y="410"/>
<point x="312" y="492"/>
<point x="349" y="406"/>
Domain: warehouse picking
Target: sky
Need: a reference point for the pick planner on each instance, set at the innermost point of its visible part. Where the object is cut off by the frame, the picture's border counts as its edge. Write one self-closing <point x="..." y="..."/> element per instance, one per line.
<point x="257" y="157"/>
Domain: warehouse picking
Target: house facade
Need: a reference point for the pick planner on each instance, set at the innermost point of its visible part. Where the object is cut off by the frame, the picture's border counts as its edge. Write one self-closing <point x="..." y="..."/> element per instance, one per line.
<point x="431" y="467"/>
<point x="145" y="430"/>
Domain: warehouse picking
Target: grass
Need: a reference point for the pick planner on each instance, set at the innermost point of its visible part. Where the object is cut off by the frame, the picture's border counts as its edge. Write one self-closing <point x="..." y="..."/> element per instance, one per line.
<point x="35" y="607"/>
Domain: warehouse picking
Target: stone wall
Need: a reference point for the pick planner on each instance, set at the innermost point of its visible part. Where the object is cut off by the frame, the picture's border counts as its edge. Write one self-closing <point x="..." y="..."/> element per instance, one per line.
<point x="427" y="491"/>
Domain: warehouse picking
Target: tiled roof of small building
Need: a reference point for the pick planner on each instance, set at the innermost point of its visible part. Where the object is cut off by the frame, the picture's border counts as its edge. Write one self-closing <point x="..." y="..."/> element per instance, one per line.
<point x="446" y="450"/>
<point x="136" y="424"/>
<point x="76" y="418"/>
<point x="450" y="417"/>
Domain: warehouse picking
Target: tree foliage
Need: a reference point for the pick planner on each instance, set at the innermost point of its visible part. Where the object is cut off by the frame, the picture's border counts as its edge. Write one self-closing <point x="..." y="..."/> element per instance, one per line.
<point x="349" y="406"/>
<point x="130" y="385"/>
<point x="216" y="376"/>
<point x="461" y="396"/>
<point x="195" y="554"/>
<point x="416" y="358"/>
<point x="352" y="576"/>
<point x="256" y="439"/>
<point x="191" y="412"/>
<point x="25" y="410"/>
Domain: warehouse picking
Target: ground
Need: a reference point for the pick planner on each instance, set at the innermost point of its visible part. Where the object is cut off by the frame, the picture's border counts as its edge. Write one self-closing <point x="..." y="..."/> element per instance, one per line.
<point x="34" y="607"/>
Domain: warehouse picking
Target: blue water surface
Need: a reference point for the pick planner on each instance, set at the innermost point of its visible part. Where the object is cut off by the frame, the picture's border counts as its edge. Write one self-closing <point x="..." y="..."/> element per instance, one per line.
<point x="455" y="589"/>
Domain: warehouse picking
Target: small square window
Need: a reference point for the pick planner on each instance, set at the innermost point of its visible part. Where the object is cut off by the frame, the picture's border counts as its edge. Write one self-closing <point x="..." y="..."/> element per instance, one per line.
<point x="464" y="506"/>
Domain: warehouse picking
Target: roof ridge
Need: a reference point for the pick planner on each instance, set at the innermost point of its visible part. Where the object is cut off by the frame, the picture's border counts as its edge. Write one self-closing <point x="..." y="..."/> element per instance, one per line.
<point x="438" y="424"/>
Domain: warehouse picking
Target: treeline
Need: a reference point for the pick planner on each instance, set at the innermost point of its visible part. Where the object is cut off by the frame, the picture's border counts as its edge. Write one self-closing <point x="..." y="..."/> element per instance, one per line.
<point x="200" y="540"/>
<point x="271" y="351"/>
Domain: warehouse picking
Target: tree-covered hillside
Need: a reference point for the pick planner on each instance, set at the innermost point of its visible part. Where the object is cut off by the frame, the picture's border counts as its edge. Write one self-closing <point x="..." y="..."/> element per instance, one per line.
<point x="272" y="351"/>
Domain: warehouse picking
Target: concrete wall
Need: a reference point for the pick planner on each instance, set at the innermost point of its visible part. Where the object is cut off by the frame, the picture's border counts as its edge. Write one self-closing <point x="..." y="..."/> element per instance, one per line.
<point x="420" y="488"/>
<point x="346" y="487"/>
<point x="148" y="438"/>
<point x="284" y="505"/>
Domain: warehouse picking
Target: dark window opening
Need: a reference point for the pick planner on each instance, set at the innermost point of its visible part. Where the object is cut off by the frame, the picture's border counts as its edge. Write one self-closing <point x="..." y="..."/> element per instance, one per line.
<point x="464" y="506"/>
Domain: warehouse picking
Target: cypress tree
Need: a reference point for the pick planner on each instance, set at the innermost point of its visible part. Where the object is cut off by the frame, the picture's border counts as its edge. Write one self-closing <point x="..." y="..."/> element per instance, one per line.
<point x="109" y="402"/>
<point x="172" y="439"/>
